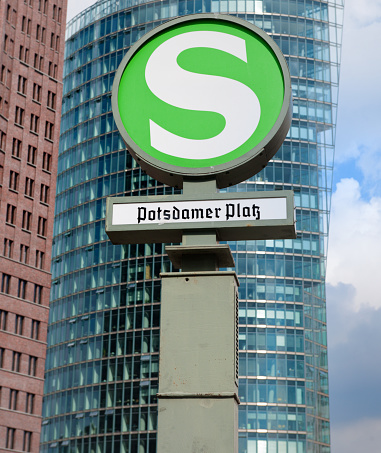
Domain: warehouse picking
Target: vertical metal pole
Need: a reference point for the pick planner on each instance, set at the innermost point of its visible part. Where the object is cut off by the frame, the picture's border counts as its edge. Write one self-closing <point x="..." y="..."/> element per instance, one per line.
<point x="198" y="383"/>
<point x="192" y="187"/>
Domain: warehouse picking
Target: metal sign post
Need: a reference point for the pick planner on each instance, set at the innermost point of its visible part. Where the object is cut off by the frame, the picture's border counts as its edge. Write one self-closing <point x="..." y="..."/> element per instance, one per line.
<point x="198" y="385"/>
<point x="202" y="102"/>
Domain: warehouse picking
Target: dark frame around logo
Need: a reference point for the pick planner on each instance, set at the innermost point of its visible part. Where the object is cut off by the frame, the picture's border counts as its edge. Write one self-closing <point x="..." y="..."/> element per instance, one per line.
<point x="238" y="169"/>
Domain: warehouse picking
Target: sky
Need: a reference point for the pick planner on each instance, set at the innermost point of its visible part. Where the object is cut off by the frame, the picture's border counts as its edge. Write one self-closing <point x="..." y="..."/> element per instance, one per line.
<point x="354" y="251"/>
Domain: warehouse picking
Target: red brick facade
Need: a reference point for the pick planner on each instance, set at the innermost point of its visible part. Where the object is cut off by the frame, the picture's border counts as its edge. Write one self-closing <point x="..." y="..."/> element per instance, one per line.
<point x="31" y="64"/>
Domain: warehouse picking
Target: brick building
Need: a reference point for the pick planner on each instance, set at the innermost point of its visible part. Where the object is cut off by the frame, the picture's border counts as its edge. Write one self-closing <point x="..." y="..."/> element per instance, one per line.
<point x="31" y="64"/>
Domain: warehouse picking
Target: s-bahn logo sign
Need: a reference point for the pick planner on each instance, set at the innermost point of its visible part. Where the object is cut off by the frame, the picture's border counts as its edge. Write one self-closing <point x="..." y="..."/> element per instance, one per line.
<point x="203" y="96"/>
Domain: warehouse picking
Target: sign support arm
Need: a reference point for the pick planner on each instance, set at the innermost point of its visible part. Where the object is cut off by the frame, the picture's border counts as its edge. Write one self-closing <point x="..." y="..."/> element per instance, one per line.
<point x="199" y="250"/>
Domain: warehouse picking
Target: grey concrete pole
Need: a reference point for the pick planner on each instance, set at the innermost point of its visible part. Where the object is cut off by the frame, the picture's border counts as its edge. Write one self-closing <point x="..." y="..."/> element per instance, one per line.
<point x="198" y="383"/>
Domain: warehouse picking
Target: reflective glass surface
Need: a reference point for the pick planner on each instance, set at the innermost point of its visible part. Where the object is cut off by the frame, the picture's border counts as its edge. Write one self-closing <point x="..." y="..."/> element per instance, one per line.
<point x="102" y="363"/>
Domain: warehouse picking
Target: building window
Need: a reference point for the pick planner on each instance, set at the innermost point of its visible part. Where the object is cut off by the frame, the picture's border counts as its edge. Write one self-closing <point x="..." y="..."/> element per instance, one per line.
<point x="11" y="214"/>
<point x="19" y="324"/>
<point x="38" y="30"/>
<point x="52" y="40"/>
<point x="3" y="75"/>
<point x="13" y="395"/>
<point x="46" y="161"/>
<point x="4" y="106"/>
<point x="8" y="248"/>
<point x="16" y="359"/>
<point x="22" y="84"/>
<point x="29" y="187"/>
<point x="44" y="194"/>
<point x="27" y="442"/>
<point x="21" y="289"/>
<point x="10" y="438"/>
<point x="2" y="352"/>
<point x="13" y="180"/>
<point x="6" y="42"/>
<point x="41" y="228"/>
<point x="32" y="154"/>
<point x="40" y="259"/>
<point x="49" y="130"/>
<point x="51" y="100"/>
<point x="24" y="253"/>
<point x="52" y="70"/>
<point x="34" y="123"/>
<point x="54" y="12"/>
<point x="3" y="319"/>
<point x="5" y="283"/>
<point x="19" y="116"/>
<point x="32" y="368"/>
<point x="26" y="220"/>
<point x="23" y="24"/>
<point x="57" y="43"/>
<point x="37" y="92"/>
<point x="29" y="27"/>
<point x="16" y="147"/>
<point x="37" y="296"/>
<point x="59" y="14"/>
<point x="35" y="329"/>
<point x="8" y="78"/>
<point x="24" y="54"/>
<point x="3" y="137"/>
<point x="29" y="404"/>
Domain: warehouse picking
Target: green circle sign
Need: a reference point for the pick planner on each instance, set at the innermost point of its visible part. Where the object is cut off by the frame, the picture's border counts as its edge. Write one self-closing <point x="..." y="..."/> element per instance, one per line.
<point x="203" y="96"/>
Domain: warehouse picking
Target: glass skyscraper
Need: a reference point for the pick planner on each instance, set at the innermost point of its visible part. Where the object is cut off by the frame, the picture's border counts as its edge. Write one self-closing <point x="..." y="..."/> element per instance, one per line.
<point x="102" y="362"/>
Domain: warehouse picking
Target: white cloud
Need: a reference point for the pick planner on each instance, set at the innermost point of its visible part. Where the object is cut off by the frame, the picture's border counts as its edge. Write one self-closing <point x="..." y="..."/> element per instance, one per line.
<point x="341" y="313"/>
<point x="354" y="371"/>
<point x="75" y="7"/>
<point x="359" y="115"/>
<point x="359" y="436"/>
<point x="354" y="249"/>
<point x="369" y="162"/>
<point x="362" y="13"/>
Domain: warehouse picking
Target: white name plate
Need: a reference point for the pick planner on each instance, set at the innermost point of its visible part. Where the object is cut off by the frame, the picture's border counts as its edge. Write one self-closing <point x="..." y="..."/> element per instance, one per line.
<point x="234" y="216"/>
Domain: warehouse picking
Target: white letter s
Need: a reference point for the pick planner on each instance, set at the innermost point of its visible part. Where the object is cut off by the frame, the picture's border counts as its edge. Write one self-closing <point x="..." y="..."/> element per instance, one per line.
<point x="236" y="102"/>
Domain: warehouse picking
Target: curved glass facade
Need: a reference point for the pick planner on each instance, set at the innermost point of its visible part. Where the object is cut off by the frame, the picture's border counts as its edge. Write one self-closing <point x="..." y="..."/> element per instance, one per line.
<point x="102" y="362"/>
